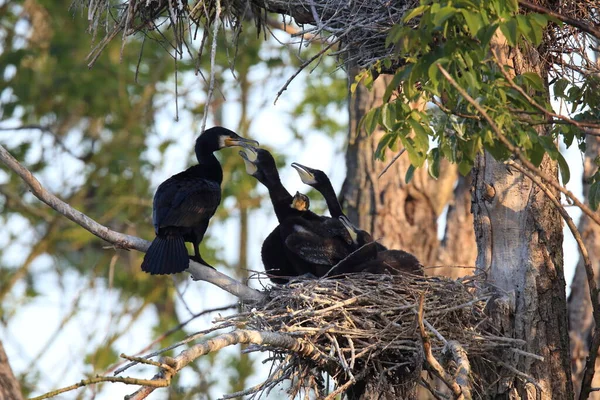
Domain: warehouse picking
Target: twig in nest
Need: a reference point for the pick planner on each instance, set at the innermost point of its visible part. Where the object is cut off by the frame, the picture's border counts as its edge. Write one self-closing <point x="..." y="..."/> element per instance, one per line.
<point x="436" y="368"/>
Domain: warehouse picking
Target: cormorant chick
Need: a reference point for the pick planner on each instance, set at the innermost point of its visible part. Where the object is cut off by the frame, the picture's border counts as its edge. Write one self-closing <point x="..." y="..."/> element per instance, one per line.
<point x="303" y="242"/>
<point x="320" y="181"/>
<point x="184" y="204"/>
<point x="371" y="256"/>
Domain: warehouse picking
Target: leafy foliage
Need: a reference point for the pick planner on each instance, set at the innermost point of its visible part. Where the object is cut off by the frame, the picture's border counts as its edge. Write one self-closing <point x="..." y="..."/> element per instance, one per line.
<point x="460" y="37"/>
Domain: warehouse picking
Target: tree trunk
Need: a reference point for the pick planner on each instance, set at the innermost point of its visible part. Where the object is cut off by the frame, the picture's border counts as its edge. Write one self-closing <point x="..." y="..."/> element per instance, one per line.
<point x="403" y="216"/>
<point x="9" y="385"/>
<point x="581" y="320"/>
<point x="519" y="234"/>
<point x="458" y="250"/>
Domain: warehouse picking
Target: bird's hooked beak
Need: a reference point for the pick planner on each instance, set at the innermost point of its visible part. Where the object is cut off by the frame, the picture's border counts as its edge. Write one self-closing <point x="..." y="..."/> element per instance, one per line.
<point x="239" y="141"/>
<point x="306" y="174"/>
<point x="249" y="156"/>
<point x="350" y="228"/>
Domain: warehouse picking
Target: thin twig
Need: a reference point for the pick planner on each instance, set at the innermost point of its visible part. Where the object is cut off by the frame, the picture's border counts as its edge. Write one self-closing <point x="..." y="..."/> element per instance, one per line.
<point x="397" y="156"/>
<point x="154" y="383"/>
<point x="213" y="56"/>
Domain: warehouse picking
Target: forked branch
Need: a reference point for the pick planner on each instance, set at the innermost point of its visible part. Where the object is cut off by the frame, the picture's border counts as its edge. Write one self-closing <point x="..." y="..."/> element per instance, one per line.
<point x="121" y="240"/>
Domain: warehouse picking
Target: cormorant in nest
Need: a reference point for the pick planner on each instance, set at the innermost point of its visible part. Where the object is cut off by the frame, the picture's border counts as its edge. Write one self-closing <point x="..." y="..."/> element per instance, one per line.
<point x="303" y="242"/>
<point x="370" y="256"/>
<point x="184" y="204"/>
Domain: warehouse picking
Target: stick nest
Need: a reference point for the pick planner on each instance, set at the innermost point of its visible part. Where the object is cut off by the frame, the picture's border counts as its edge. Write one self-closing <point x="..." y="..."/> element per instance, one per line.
<point x="358" y="28"/>
<point x="365" y="327"/>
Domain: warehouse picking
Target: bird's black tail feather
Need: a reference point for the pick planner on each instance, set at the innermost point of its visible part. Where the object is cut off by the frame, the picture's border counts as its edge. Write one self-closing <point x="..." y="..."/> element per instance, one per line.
<point x="167" y="255"/>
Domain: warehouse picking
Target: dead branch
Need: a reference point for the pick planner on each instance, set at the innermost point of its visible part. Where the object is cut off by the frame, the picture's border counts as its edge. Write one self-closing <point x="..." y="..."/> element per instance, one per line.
<point x="436" y="367"/>
<point x="120" y="240"/>
<point x="271" y="339"/>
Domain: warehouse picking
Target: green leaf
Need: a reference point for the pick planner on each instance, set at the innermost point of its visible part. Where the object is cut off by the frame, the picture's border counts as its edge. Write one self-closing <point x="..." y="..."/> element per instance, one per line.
<point x="433" y="163"/>
<point x="443" y="15"/>
<point x="393" y="85"/>
<point x="535" y="36"/>
<point x="536" y="154"/>
<point x="370" y="120"/>
<point x="383" y="144"/>
<point x="388" y="116"/>
<point x="594" y="195"/>
<point x="414" y="12"/>
<point x="486" y="34"/>
<point x="410" y="172"/>
<point x="464" y="167"/>
<point x="510" y="31"/>
<point x="534" y="80"/>
<point x="565" y="174"/>
<point x="560" y="86"/>
<point x="473" y="20"/>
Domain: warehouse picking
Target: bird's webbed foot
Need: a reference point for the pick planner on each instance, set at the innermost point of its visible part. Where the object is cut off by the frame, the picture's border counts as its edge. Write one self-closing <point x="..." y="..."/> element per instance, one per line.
<point x="199" y="260"/>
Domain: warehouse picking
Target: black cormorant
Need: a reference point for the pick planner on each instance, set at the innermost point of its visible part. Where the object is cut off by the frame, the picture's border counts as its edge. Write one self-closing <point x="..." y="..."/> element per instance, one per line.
<point x="370" y="256"/>
<point x="184" y="204"/>
<point x="320" y="181"/>
<point x="303" y="242"/>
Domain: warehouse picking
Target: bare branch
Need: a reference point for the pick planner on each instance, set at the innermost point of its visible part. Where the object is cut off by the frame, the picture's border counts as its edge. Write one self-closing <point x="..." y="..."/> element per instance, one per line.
<point x="120" y="240"/>
<point x="436" y="368"/>
<point x="592" y="30"/>
<point x="272" y="339"/>
<point x="100" y="379"/>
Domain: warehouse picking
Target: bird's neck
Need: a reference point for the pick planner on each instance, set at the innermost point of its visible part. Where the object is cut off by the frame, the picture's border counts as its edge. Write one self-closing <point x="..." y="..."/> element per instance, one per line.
<point x="209" y="167"/>
<point x="335" y="209"/>
<point x="281" y="199"/>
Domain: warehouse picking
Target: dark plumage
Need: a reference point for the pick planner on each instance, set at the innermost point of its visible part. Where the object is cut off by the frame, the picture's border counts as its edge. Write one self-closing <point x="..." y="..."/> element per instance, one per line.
<point x="370" y="256"/>
<point x="320" y="181"/>
<point x="184" y="204"/>
<point x="303" y="242"/>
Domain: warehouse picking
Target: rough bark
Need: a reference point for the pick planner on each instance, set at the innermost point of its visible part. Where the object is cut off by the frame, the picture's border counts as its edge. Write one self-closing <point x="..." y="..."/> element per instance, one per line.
<point x="579" y="305"/>
<point x="519" y="234"/>
<point x="10" y="389"/>
<point x="403" y="216"/>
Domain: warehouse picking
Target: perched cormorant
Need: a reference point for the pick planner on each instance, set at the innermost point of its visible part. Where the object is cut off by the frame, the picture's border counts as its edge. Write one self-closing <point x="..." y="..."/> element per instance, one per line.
<point x="184" y="204"/>
<point x="303" y="242"/>
<point x="370" y="256"/>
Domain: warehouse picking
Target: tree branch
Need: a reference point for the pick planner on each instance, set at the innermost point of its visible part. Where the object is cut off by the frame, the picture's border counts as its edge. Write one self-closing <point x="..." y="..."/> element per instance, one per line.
<point x="120" y="240"/>
<point x="273" y="339"/>
<point x="517" y="152"/>
<point x="435" y="366"/>
<point x="592" y="30"/>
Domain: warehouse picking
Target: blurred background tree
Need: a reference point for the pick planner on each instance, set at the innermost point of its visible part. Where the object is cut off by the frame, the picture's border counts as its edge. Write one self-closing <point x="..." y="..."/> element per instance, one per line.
<point x="103" y="139"/>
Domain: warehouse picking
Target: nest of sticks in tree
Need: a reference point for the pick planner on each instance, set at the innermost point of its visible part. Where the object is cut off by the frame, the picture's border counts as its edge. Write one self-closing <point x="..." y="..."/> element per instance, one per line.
<point x="379" y="330"/>
<point x="356" y="30"/>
